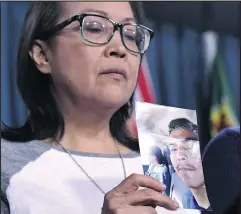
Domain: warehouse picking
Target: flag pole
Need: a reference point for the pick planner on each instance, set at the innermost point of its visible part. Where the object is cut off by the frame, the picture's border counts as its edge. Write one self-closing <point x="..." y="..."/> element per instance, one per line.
<point x="202" y="82"/>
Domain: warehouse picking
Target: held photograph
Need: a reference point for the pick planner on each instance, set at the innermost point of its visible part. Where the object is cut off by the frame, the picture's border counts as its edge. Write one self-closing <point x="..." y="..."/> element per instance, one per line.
<point x="170" y="153"/>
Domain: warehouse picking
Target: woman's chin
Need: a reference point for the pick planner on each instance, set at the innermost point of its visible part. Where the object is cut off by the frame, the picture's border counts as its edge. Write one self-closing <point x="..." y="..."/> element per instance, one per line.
<point x="113" y="101"/>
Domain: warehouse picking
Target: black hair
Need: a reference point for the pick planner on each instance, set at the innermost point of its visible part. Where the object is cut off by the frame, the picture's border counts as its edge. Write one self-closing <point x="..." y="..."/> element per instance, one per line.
<point x="45" y="120"/>
<point x="182" y="123"/>
<point x="157" y="152"/>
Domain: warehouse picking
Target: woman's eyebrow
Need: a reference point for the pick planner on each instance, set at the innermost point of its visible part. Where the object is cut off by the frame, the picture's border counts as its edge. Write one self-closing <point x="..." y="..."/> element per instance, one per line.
<point x="129" y="19"/>
<point x="103" y="13"/>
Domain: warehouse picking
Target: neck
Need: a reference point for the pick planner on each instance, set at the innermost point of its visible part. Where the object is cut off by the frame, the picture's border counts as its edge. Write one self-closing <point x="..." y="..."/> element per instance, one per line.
<point x="200" y="196"/>
<point x="87" y="130"/>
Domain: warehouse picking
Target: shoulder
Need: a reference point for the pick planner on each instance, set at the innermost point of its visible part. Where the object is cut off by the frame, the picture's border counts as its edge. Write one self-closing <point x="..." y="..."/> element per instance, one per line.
<point x="16" y="155"/>
<point x="224" y="148"/>
<point x="221" y="159"/>
<point x="233" y="132"/>
<point x="187" y="200"/>
<point x="15" y="152"/>
<point x="226" y="140"/>
<point x="224" y="145"/>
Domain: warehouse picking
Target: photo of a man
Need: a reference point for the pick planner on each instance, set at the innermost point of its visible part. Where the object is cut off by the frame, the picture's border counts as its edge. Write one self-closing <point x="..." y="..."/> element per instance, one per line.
<point x="186" y="160"/>
<point x="170" y="152"/>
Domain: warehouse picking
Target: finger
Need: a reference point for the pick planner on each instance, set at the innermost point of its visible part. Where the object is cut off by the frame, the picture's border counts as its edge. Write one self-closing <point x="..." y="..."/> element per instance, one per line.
<point x="151" y="205"/>
<point x="150" y="197"/>
<point x="138" y="209"/>
<point x="134" y="181"/>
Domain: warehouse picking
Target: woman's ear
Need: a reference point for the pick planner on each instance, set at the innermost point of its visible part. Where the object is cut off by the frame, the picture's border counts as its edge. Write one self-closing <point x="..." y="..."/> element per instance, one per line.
<point x="40" y="54"/>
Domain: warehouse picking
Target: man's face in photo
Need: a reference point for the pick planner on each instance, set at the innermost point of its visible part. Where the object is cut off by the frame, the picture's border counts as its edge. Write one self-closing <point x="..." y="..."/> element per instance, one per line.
<point x="186" y="158"/>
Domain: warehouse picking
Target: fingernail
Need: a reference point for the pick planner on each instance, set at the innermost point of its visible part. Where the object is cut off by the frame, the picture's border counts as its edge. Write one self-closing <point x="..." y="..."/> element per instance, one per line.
<point x="176" y="205"/>
<point x="164" y="186"/>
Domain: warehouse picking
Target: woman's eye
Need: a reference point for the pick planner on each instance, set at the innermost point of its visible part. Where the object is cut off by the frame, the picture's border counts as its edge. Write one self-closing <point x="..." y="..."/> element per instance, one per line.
<point x="130" y="34"/>
<point x="130" y="37"/>
<point x="93" y="30"/>
<point x="94" y="27"/>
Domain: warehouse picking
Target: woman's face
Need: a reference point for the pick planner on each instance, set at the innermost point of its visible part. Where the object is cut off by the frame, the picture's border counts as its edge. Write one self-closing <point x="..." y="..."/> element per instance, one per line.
<point x="76" y="66"/>
<point x="153" y="159"/>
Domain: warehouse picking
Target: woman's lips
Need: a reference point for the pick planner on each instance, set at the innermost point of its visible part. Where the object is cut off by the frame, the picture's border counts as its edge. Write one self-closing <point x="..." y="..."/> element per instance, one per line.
<point x="116" y="73"/>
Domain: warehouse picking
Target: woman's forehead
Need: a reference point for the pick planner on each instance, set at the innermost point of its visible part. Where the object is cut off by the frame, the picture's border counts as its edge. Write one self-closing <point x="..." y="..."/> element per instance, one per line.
<point x="117" y="11"/>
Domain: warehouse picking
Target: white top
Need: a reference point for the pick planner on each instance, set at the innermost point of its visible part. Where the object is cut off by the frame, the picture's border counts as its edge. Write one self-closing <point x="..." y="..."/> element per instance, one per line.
<point x="39" y="179"/>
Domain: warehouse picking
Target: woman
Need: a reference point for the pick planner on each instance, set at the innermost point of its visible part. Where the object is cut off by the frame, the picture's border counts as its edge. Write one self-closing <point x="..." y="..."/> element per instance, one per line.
<point x="157" y="163"/>
<point x="77" y="71"/>
<point x="158" y="168"/>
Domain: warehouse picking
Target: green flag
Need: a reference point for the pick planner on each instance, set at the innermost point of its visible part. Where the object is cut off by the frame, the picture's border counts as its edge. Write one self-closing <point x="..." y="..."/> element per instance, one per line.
<point x="222" y="112"/>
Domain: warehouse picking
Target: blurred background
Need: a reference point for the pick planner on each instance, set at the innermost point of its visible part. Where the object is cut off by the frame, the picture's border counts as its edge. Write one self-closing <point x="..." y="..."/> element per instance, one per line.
<point x="193" y="61"/>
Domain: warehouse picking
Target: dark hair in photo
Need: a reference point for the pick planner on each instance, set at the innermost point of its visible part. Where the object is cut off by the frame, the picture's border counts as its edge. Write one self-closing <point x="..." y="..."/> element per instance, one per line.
<point x="182" y="123"/>
<point x="45" y="120"/>
<point x="160" y="157"/>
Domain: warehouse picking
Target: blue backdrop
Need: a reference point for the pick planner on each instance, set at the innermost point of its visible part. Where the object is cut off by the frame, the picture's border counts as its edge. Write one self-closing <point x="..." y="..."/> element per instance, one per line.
<point x="173" y="59"/>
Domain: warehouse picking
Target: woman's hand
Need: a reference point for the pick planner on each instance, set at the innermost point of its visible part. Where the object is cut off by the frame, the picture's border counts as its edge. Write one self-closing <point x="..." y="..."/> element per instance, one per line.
<point x="127" y="199"/>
